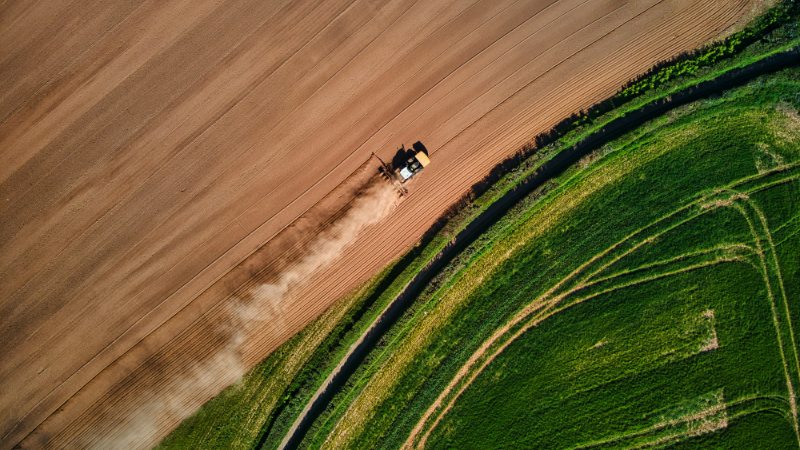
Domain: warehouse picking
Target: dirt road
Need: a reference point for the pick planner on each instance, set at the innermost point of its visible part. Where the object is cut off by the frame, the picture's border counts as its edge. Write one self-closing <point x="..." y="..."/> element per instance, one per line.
<point x="148" y="148"/>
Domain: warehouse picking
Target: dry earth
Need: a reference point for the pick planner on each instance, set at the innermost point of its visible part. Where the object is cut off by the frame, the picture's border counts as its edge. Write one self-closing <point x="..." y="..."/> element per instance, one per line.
<point x="148" y="148"/>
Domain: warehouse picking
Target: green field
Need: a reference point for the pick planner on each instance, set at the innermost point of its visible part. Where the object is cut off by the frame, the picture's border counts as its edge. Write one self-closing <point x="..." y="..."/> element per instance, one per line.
<point x="674" y="323"/>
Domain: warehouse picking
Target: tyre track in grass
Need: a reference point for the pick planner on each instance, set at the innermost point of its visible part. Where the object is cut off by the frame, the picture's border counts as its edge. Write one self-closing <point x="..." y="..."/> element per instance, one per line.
<point x="551" y="303"/>
<point x="486" y="167"/>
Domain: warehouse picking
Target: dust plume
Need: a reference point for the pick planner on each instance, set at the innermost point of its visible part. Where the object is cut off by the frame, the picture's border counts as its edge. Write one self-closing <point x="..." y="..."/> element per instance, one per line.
<point x="262" y="307"/>
<point x="266" y="301"/>
<point x="176" y="400"/>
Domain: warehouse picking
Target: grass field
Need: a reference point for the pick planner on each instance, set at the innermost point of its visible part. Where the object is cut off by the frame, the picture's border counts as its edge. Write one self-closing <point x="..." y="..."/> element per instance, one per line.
<point x="675" y="323"/>
<point x="646" y="301"/>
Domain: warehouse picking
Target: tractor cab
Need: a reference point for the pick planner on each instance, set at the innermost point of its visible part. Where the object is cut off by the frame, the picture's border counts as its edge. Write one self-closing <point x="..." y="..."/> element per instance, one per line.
<point x="414" y="165"/>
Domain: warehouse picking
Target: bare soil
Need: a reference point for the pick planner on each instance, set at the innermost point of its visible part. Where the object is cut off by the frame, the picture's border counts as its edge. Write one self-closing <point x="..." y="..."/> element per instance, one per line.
<point x="147" y="149"/>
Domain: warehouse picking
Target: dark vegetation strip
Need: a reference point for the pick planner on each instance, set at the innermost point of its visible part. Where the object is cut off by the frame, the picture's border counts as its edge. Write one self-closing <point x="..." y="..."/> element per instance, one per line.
<point x="530" y="398"/>
<point x="725" y="128"/>
<point x="551" y="168"/>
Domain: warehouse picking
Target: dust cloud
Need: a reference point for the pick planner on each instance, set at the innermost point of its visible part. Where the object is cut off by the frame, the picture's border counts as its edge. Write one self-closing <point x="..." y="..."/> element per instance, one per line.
<point x="267" y="300"/>
<point x="265" y="305"/>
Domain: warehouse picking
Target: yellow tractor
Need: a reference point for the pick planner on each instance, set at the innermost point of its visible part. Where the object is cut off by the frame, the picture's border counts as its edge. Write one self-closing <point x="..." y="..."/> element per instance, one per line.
<point x="413" y="165"/>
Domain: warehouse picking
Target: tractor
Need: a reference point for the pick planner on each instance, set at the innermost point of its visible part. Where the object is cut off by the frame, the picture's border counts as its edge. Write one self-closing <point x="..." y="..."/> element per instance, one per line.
<point x="416" y="161"/>
<point x="414" y="165"/>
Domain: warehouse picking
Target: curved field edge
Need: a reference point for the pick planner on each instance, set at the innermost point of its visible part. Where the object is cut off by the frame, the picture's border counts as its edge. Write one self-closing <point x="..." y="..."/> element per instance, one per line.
<point x="512" y="184"/>
<point x="481" y="301"/>
<point x="255" y="412"/>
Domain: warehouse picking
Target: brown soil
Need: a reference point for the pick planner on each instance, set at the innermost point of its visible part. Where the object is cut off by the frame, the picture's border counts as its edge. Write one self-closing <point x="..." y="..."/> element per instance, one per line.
<point x="147" y="149"/>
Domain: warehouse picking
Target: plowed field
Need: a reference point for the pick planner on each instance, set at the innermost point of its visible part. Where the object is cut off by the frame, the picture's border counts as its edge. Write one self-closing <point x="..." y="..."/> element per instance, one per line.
<point x="149" y="148"/>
